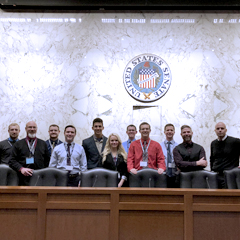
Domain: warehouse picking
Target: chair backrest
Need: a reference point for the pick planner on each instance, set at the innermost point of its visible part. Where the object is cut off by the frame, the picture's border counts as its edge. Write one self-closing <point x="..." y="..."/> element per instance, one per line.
<point x="232" y="178"/>
<point x="49" y="177"/>
<point x="8" y="177"/>
<point x="99" y="177"/>
<point x="198" y="179"/>
<point x="148" y="177"/>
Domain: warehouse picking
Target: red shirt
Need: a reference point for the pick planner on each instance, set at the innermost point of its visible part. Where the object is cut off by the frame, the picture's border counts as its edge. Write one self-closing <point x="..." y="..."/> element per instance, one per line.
<point x="155" y="155"/>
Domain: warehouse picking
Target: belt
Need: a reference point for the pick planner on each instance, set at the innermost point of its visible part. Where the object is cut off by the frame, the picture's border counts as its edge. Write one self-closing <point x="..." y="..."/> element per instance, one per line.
<point x="73" y="175"/>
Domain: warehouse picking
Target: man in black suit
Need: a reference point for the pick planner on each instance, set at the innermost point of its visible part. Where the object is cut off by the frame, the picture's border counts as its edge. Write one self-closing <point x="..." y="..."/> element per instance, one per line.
<point x="95" y="144"/>
<point x="225" y="152"/>
<point x="28" y="154"/>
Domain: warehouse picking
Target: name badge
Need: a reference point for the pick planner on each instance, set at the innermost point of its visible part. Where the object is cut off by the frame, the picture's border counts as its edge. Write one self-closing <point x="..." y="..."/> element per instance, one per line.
<point x="171" y="165"/>
<point x="30" y="160"/>
<point x="69" y="168"/>
<point x="143" y="164"/>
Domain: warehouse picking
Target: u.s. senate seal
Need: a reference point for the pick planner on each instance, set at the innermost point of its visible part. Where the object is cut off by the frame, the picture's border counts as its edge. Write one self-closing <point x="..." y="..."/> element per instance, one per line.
<point x="147" y="77"/>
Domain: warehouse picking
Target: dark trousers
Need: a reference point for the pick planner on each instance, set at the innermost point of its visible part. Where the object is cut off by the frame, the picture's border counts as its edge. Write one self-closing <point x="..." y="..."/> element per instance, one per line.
<point x="24" y="180"/>
<point x="73" y="181"/>
<point x="172" y="182"/>
<point x="221" y="181"/>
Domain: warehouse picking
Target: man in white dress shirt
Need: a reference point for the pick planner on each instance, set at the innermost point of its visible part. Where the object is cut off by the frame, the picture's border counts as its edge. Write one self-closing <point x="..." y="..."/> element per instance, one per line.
<point x="70" y="156"/>
<point x="167" y="146"/>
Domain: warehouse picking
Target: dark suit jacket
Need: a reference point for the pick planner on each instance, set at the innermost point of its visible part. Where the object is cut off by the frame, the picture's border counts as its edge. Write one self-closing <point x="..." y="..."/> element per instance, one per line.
<point x="5" y="151"/>
<point x="20" y="152"/>
<point x="94" y="159"/>
<point x="120" y="166"/>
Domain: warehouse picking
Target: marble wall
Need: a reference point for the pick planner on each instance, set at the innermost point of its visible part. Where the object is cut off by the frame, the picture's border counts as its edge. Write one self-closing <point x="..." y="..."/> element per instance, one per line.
<point x="67" y="68"/>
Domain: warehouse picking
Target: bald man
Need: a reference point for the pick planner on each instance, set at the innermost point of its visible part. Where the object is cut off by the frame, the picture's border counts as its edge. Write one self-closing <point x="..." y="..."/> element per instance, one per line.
<point x="28" y="154"/>
<point x="225" y="151"/>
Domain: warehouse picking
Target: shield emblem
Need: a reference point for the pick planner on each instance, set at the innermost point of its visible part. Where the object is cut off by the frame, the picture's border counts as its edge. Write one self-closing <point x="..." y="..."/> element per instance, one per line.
<point x="147" y="78"/>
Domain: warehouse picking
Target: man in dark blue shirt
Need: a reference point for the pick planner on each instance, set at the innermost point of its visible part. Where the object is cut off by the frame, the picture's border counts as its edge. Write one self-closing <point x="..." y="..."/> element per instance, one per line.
<point x="53" y="141"/>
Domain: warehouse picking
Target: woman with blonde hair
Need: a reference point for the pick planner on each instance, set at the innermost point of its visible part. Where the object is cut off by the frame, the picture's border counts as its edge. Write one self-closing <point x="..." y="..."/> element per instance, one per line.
<point x="115" y="158"/>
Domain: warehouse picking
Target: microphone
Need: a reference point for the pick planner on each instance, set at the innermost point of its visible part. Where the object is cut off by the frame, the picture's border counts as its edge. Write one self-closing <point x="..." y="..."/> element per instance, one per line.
<point x="37" y="180"/>
<point x="96" y="176"/>
<point x="208" y="183"/>
<point x="149" y="182"/>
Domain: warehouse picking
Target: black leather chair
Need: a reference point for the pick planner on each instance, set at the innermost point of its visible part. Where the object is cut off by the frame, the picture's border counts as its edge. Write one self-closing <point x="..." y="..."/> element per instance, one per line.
<point x="232" y="178"/>
<point x="148" y="177"/>
<point x="99" y="177"/>
<point x="198" y="179"/>
<point x="8" y="177"/>
<point x="49" y="177"/>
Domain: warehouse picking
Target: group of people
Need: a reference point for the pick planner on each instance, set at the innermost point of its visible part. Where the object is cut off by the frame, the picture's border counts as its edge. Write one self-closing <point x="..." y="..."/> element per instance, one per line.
<point x="31" y="153"/>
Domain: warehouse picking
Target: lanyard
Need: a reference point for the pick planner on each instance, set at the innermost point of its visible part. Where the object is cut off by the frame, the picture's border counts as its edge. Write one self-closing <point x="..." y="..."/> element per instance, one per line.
<point x="69" y="154"/>
<point x="51" y="144"/>
<point x="32" y="147"/>
<point x="147" y="145"/>
<point x="9" y="141"/>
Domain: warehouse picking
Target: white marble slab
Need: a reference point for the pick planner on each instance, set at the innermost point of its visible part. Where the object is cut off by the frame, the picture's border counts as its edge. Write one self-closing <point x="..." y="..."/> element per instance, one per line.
<point x="67" y="68"/>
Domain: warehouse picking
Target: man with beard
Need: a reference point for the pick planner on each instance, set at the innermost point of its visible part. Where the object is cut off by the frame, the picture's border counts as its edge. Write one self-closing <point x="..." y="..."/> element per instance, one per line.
<point x="6" y="145"/>
<point x="28" y="154"/>
<point x="225" y="151"/>
<point x="53" y="141"/>
<point x="189" y="156"/>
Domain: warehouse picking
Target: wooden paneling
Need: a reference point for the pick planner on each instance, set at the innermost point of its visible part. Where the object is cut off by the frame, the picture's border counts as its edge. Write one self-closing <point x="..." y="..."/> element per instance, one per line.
<point x="46" y="213"/>
<point x="216" y="225"/>
<point x="144" y="225"/>
<point x="77" y="224"/>
<point x="18" y="224"/>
